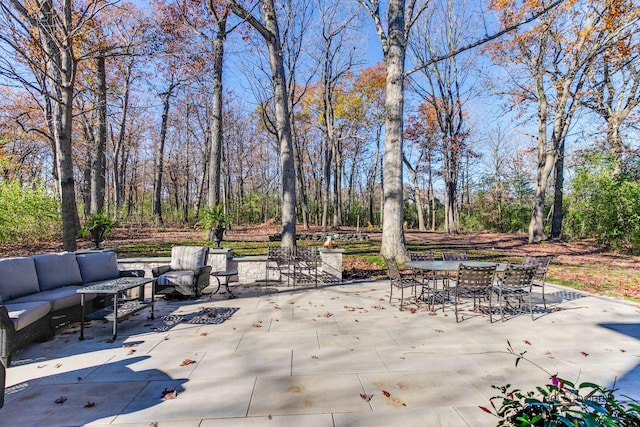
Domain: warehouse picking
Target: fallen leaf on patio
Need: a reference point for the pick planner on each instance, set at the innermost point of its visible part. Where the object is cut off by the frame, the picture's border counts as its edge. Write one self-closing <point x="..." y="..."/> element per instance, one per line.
<point x="153" y="424"/>
<point x="357" y="320"/>
<point x="366" y="397"/>
<point x="169" y="394"/>
<point x="61" y="400"/>
<point x="58" y="365"/>
<point x="131" y="351"/>
<point x="314" y="357"/>
<point x="276" y="307"/>
<point x="377" y="307"/>
<point x="584" y="354"/>
<point x="90" y="404"/>
<point x="440" y="331"/>
<point x="327" y="314"/>
<point x="622" y="350"/>
<point x="269" y="417"/>
<point x="433" y="313"/>
<point x="257" y="324"/>
<point x="527" y="342"/>
<point x="386" y="393"/>
<point x="204" y="334"/>
<point x="186" y="362"/>
<point x="42" y="366"/>
<point x="414" y="310"/>
<point x="166" y="338"/>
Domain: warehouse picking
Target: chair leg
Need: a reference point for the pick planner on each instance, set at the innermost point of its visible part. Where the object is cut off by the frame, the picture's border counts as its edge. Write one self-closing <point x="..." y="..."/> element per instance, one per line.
<point x="531" y="306"/>
<point x="490" y="308"/>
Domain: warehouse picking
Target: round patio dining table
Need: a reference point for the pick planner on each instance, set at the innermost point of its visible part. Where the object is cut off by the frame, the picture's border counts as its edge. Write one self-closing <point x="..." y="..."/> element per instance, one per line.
<point x="446" y="268"/>
<point x="449" y="266"/>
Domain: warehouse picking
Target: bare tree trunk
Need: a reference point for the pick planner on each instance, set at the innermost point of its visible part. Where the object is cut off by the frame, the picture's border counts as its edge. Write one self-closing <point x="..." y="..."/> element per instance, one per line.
<point x="271" y="33"/>
<point x="217" y="136"/>
<point x="61" y="79"/>
<point x="159" y="157"/>
<point x="414" y="180"/>
<point x="99" y="158"/>
<point x="118" y="149"/>
<point x="337" y="184"/>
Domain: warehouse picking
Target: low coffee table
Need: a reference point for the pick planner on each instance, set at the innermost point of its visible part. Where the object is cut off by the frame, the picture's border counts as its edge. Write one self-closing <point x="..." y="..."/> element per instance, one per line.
<point x="124" y="309"/>
<point x="227" y="275"/>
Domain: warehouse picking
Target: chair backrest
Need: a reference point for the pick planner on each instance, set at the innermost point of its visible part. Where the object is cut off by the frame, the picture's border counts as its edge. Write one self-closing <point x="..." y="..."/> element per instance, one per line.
<point x="306" y="254"/>
<point x="454" y="256"/>
<point x="541" y="262"/>
<point x="518" y="276"/>
<point x="392" y="268"/>
<point x="475" y="277"/>
<point x="189" y="257"/>
<point x="279" y="253"/>
<point x="424" y="256"/>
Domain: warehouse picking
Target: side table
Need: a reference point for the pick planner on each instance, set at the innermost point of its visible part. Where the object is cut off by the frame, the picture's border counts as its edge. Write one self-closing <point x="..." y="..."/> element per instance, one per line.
<point x="227" y="275"/>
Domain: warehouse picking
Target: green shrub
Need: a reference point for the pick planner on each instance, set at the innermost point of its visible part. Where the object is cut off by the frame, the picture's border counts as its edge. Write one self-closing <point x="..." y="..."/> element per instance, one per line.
<point x="604" y="206"/>
<point x="27" y="214"/>
<point x="561" y="403"/>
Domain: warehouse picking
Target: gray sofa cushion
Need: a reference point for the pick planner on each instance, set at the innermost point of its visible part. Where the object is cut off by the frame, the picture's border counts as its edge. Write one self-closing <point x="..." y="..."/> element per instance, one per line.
<point x="24" y="314"/>
<point x="55" y="270"/>
<point x="98" y="266"/>
<point x="17" y="278"/>
<point x="59" y="298"/>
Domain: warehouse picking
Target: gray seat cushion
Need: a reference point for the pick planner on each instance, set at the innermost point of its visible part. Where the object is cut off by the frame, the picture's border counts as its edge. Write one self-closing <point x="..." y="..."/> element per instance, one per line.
<point x="18" y="277"/>
<point x="24" y="314"/>
<point x="98" y="266"/>
<point x="55" y="270"/>
<point x="181" y="282"/>
<point x="59" y="298"/>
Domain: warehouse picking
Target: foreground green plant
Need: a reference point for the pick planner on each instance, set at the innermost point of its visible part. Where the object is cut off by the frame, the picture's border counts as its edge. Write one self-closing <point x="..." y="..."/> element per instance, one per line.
<point x="561" y="403"/>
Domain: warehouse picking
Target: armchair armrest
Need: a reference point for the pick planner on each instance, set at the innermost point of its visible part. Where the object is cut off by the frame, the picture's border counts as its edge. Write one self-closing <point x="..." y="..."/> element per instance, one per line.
<point x="132" y="273"/>
<point x="205" y="269"/>
<point x="161" y="269"/>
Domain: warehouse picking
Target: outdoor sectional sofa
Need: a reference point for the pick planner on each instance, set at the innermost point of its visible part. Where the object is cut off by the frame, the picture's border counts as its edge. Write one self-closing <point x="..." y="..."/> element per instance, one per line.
<point x="38" y="294"/>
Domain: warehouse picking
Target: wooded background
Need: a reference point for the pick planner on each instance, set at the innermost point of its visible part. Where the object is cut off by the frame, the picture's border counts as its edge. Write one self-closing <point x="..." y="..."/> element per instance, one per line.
<point x="437" y="114"/>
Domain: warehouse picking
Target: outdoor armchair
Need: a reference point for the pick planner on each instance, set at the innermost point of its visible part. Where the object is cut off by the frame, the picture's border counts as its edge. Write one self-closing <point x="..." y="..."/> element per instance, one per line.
<point x="188" y="273"/>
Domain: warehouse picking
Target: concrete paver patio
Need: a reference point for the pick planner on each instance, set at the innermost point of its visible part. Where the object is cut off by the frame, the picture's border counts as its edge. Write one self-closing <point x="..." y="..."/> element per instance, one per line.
<point x="303" y="357"/>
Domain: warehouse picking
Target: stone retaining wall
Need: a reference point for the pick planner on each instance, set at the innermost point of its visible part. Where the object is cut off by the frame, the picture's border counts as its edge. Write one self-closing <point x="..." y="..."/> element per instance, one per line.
<point x="250" y="268"/>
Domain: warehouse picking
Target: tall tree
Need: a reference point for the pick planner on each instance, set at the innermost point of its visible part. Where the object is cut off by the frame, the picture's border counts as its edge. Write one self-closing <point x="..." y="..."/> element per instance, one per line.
<point x="401" y="15"/>
<point x="47" y="33"/>
<point x="556" y="54"/>
<point x="269" y="29"/>
<point x="446" y="91"/>
<point x="336" y="61"/>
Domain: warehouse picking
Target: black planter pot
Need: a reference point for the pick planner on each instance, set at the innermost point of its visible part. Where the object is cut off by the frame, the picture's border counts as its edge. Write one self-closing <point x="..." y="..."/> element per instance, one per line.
<point x="97" y="236"/>
<point x="218" y="235"/>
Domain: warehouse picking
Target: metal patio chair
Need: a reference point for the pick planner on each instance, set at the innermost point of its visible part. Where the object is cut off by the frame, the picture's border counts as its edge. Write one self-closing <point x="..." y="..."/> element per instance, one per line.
<point x="541" y="262"/>
<point x="476" y="283"/>
<point x="305" y="265"/>
<point x="515" y="283"/>
<point x="400" y="281"/>
<point x="278" y="259"/>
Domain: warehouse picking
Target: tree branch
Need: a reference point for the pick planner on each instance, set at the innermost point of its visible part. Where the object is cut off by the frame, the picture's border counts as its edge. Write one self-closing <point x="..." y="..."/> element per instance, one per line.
<point x="483" y="40"/>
